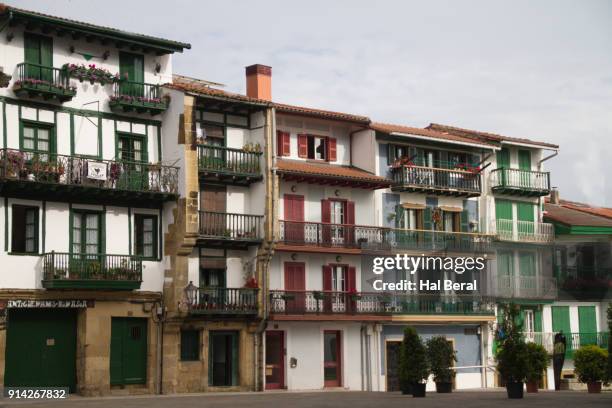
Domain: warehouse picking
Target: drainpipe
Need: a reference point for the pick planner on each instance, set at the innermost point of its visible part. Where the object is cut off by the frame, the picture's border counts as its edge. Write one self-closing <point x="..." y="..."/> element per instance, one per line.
<point x="362" y="356"/>
<point x="556" y="152"/>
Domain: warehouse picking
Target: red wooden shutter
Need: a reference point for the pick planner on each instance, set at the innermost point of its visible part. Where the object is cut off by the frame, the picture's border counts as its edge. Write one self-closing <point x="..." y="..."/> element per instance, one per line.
<point x="327" y="277"/>
<point x="351" y="276"/>
<point x="331" y="149"/>
<point x="303" y="145"/>
<point x="283" y="143"/>
<point x="326" y="219"/>
<point x="350" y="220"/>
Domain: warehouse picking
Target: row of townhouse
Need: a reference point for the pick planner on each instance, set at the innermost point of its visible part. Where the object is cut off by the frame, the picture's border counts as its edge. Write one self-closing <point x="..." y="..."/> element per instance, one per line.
<point x="160" y="234"/>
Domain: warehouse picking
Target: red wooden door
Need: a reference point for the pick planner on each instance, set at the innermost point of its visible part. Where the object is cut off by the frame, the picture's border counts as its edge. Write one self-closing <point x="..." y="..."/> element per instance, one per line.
<point x="294" y="218"/>
<point x="295" y="284"/>
<point x="332" y="358"/>
<point x="275" y="360"/>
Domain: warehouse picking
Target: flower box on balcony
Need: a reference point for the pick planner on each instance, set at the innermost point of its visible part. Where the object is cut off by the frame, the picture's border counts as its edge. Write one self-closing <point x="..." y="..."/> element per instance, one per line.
<point x="140" y="104"/>
<point x="38" y="87"/>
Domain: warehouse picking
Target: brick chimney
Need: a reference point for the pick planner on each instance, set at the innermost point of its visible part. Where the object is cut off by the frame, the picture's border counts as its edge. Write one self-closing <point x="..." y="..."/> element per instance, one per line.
<point x="554" y="196"/>
<point x="259" y="81"/>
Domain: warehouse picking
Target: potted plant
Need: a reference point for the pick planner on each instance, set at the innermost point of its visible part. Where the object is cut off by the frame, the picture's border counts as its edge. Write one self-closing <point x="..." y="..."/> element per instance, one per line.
<point x="537" y="361"/>
<point x="413" y="365"/>
<point x="511" y="353"/>
<point x="590" y="366"/>
<point x="441" y="356"/>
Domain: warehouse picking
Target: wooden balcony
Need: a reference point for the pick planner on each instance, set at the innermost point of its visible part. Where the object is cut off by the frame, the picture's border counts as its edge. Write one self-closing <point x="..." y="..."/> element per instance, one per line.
<point x="227" y="165"/>
<point x="524" y="287"/>
<point x="229" y="230"/>
<point x="520" y="182"/>
<point x="523" y="231"/>
<point x="329" y="303"/>
<point x="56" y="177"/>
<point x="225" y="301"/>
<point x="91" y="271"/>
<point x="438" y="181"/>
<point x="48" y="83"/>
<point x="138" y="97"/>
<point x="358" y="238"/>
<point x="573" y="340"/>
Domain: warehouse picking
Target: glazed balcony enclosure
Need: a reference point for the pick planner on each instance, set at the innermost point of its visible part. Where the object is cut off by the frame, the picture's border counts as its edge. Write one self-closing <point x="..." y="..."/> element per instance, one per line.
<point x="228" y="165"/>
<point x="523" y="231"/>
<point x="321" y="302"/>
<point x="524" y="287"/>
<point x="139" y="97"/>
<point x="34" y="80"/>
<point x="369" y="238"/>
<point x="520" y="182"/>
<point x="223" y="301"/>
<point x="63" y="270"/>
<point x="230" y="230"/>
<point x="440" y="181"/>
<point x="584" y="283"/>
<point x="57" y="177"/>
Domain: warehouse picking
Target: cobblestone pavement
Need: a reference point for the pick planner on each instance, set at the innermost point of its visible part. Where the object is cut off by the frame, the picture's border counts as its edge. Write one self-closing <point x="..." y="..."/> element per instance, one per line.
<point x="328" y="399"/>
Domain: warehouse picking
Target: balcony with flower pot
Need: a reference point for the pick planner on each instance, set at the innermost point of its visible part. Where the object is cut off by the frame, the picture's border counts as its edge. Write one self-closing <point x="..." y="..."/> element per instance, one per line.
<point x="520" y="182"/>
<point x="139" y="97"/>
<point x="91" y="271"/>
<point x="439" y="178"/>
<point x="229" y="165"/>
<point x="39" y="81"/>
<point x="229" y="230"/>
<point x="50" y="176"/>
<point x="222" y="301"/>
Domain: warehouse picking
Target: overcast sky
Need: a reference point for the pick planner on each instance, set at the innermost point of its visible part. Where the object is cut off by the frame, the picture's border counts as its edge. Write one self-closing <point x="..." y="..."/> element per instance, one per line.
<point x="534" y="69"/>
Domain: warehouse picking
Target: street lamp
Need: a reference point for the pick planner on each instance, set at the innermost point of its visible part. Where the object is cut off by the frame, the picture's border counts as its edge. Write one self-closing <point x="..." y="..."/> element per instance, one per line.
<point x="190" y="293"/>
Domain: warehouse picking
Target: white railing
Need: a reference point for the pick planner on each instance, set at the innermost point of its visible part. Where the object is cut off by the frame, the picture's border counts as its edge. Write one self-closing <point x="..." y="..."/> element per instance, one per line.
<point x="523" y="231"/>
<point x="526" y="287"/>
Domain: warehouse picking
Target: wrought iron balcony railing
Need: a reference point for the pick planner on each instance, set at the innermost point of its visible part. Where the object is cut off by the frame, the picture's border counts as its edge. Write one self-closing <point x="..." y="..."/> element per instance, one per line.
<point x="216" y="300"/>
<point x="523" y="231"/>
<point x="573" y="340"/>
<point x="137" y="96"/>
<point x="362" y="303"/>
<point x="59" y="172"/>
<point x="436" y="180"/>
<point x="236" y="166"/>
<point x="43" y="81"/>
<point x="521" y="182"/>
<point x="91" y="271"/>
<point x="230" y="226"/>
<point x="318" y="234"/>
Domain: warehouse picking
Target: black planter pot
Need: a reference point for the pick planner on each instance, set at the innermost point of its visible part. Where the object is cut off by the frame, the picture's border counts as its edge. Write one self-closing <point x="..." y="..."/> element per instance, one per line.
<point x="515" y="390"/>
<point x="418" y="390"/>
<point x="444" y="387"/>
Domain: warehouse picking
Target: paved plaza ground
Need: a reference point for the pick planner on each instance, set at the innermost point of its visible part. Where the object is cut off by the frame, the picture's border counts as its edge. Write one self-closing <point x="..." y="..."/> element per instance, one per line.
<point x="327" y="399"/>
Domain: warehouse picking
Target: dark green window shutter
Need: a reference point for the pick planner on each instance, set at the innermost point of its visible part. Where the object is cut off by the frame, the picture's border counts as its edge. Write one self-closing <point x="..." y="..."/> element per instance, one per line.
<point x="527" y="265"/>
<point x="537" y="324"/>
<point x="465" y="221"/>
<point x="427" y="222"/>
<point x="399" y="216"/>
<point x="587" y="323"/>
<point x="524" y="160"/>
<point x="561" y="320"/>
<point x="505" y="264"/>
<point x="503" y="158"/>
<point x="31" y="47"/>
<point x="503" y="209"/>
<point x="190" y="345"/>
<point x="525" y="212"/>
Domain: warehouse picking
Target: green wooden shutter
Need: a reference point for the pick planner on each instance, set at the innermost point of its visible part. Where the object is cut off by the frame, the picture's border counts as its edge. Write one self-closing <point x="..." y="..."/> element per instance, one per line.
<point x="537" y="316"/>
<point x="525" y="211"/>
<point x="503" y="158"/>
<point x="587" y="323"/>
<point x="427" y="223"/>
<point x="31" y="47"/>
<point x="46" y="58"/>
<point x="505" y="264"/>
<point x="524" y="160"/>
<point x="465" y="221"/>
<point x="503" y="209"/>
<point x="561" y="320"/>
<point x="116" y="357"/>
<point x="527" y="264"/>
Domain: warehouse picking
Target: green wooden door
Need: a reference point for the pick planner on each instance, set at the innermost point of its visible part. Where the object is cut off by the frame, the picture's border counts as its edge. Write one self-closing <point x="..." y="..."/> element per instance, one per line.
<point x="41" y="348"/>
<point x="524" y="213"/>
<point x="587" y="323"/>
<point x="223" y="358"/>
<point x="131" y="69"/>
<point x="561" y="320"/>
<point x="503" y="215"/>
<point x="524" y="162"/>
<point x="128" y="354"/>
<point x="38" y="51"/>
<point x="132" y="150"/>
<point x="503" y="162"/>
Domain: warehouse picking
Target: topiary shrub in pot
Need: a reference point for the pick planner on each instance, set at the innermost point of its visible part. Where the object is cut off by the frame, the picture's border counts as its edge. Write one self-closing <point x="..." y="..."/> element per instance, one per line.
<point x="441" y="356"/>
<point x="413" y="365"/>
<point x="537" y="361"/>
<point x="511" y="353"/>
<point x="590" y="366"/>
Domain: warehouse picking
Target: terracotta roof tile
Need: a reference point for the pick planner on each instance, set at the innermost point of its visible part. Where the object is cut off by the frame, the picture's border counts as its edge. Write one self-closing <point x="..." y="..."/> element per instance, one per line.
<point x="186" y="84"/>
<point x="569" y="215"/>
<point x="330" y="171"/>
<point x="476" y="134"/>
<point x="587" y="208"/>
<point x="435" y="134"/>
<point x="325" y="114"/>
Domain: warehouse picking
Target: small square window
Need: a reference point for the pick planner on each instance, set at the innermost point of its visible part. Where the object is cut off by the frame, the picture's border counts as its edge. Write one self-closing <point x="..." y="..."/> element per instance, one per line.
<point x="24" y="237"/>
<point x="190" y="345"/>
